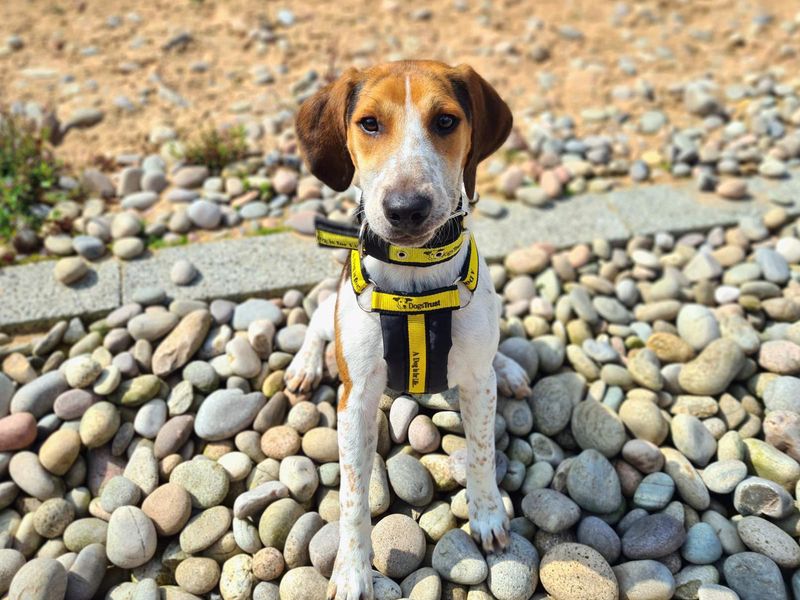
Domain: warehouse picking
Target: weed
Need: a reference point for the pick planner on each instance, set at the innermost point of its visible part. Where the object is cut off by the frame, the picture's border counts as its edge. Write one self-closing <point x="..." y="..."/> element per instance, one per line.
<point x="28" y="173"/>
<point x="216" y="149"/>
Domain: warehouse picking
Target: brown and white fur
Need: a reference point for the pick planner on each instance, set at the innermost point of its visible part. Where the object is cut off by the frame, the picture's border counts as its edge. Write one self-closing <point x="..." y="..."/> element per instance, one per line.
<point x="385" y="125"/>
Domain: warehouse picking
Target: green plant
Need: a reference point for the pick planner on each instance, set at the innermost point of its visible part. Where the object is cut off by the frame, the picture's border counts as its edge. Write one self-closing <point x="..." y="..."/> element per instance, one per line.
<point x="216" y="149"/>
<point x="28" y="173"/>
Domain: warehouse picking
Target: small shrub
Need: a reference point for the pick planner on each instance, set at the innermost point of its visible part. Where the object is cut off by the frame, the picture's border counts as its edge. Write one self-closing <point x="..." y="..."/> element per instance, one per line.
<point x="216" y="149"/>
<point x="28" y="173"/>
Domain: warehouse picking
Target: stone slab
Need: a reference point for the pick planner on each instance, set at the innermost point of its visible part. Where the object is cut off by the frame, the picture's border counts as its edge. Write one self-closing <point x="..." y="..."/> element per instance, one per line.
<point x="31" y="298"/>
<point x="234" y="269"/>
<point x="566" y="222"/>
<point x="678" y="209"/>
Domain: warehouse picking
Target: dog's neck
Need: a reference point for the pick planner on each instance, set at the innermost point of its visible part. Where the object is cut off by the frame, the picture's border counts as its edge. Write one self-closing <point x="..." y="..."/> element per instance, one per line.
<point x="402" y="278"/>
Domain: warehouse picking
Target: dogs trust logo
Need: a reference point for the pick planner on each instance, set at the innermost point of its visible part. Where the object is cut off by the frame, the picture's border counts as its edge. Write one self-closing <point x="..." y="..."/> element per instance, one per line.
<point x="405" y="303"/>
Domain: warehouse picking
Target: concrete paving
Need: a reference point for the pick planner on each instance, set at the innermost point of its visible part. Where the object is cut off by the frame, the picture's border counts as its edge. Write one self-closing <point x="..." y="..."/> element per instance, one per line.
<point x="31" y="298"/>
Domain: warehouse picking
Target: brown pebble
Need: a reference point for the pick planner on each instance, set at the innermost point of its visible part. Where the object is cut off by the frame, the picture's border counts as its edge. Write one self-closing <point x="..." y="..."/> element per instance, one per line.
<point x="268" y="564"/>
<point x="280" y="442"/>
<point x="59" y="451"/>
<point x="17" y="431"/>
<point x="169" y="507"/>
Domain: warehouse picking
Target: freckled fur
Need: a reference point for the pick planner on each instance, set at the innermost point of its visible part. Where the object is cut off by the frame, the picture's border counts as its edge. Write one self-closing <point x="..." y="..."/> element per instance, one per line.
<point x="405" y="97"/>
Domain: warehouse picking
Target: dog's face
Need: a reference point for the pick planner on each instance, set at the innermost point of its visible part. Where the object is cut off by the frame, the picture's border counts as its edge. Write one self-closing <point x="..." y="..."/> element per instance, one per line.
<point x="414" y="131"/>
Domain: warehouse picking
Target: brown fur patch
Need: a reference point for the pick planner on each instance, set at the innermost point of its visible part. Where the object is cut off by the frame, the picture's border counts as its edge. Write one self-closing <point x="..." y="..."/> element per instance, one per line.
<point x="344" y="373"/>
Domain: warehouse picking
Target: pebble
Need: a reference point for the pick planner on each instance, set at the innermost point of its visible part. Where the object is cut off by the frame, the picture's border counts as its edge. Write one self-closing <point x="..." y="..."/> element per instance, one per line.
<point x="131" y="540"/>
<point x="753" y="575"/>
<point x="456" y="558"/>
<point x="653" y="536"/>
<point x="183" y="272"/>
<point x="197" y="575"/>
<point x="572" y="571"/>
<point x="71" y="269"/>
<point x="225" y="413"/>
<point x="654" y="492"/>
<point x="514" y="572"/>
<point x="205" y="480"/>
<point x="644" y="580"/>
<point x="702" y="546"/>
<point x="770" y="540"/>
<point x="410" y="480"/>
<point x="169" y="507"/>
<point x="593" y="483"/>
<point x="550" y="510"/>
<point x="39" y="579"/>
<point x="723" y="476"/>
<point x="17" y="431"/>
<point x="303" y="583"/>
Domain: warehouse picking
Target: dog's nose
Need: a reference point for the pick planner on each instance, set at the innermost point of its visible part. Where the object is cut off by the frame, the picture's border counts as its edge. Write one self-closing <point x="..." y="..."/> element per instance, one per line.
<point x="407" y="210"/>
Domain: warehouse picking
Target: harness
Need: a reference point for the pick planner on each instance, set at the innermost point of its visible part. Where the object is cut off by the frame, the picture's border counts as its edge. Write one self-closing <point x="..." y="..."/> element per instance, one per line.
<point x="416" y="327"/>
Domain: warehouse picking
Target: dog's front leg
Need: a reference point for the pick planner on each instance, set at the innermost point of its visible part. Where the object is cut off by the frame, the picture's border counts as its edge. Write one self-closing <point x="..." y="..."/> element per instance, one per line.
<point x="352" y="575"/>
<point x="488" y="521"/>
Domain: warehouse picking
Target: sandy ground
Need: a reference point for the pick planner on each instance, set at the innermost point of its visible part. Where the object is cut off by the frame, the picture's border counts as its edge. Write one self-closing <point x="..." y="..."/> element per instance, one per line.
<point x="562" y="55"/>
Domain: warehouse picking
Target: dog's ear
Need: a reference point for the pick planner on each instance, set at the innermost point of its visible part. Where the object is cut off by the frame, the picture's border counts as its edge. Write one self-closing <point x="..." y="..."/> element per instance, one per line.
<point x="490" y="118"/>
<point x="322" y="131"/>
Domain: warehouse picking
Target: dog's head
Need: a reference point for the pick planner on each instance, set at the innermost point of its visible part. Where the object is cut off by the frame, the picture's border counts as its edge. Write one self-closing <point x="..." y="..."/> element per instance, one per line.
<point x="413" y="130"/>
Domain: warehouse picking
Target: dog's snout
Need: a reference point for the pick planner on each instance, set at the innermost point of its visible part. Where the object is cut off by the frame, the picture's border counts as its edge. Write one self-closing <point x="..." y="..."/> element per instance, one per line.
<point x="407" y="210"/>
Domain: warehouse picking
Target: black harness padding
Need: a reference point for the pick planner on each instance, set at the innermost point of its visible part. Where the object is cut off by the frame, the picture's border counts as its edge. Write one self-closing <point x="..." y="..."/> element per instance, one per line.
<point x="405" y="362"/>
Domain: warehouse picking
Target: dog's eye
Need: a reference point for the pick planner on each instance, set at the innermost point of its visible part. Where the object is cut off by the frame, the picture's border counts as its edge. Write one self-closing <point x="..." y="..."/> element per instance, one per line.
<point x="445" y="123"/>
<point x="369" y="124"/>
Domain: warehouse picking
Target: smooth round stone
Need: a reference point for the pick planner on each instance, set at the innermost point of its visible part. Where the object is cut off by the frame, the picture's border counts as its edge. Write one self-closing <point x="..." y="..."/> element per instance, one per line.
<point x="783" y="393"/>
<point x="398" y="546"/>
<point x="753" y="575"/>
<point x="410" y="480"/>
<point x="197" y="575"/>
<point x="712" y="591"/>
<point x="82" y="532"/>
<point x="654" y="492"/>
<point x="322" y="548"/>
<point x="423" y="435"/>
<point x="702" y="546"/>
<point x="653" y="536"/>
<point x="152" y="326"/>
<point x="713" y="370"/>
<point x="27" y="472"/>
<point x="296" y="548"/>
<point x="226" y="412"/>
<point x="576" y="572"/>
<point x="205" y="480"/>
<point x="139" y="200"/>
<point x="89" y="247"/>
<point x="697" y="325"/>
<point x="770" y="540"/>
<point x="303" y="583"/>
<point x="87" y="572"/>
<point x="131" y="540"/>
<point x="204" y="214"/>
<point x="456" y="558"/>
<point x="693" y="439"/>
<point x="595" y="426"/>
<point x="299" y="474"/>
<point x="11" y="561"/>
<point x="183" y="272"/>
<point x="552" y="403"/>
<point x="119" y="491"/>
<point x="688" y="482"/>
<point x="268" y="564"/>
<point x="169" y="507"/>
<point x="255" y="309"/>
<point x="38" y="396"/>
<point x="550" y="510"/>
<point x="757" y="496"/>
<point x="52" y="517"/>
<point x="644" y="580"/>
<point x="277" y="520"/>
<point x="150" y="418"/>
<point x="423" y="584"/>
<point x="593" y="483"/>
<point x="290" y="339"/>
<point x="236" y="581"/>
<point x="644" y="419"/>
<point x="597" y="534"/>
<point x="770" y="463"/>
<point x="723" y="476"/>
<point x="39" y="579"/>
<point x="282" y="441"/>
<point x="643" y="455"/>
<point x="17" y="431"/>
<point x="99" y="424"/>
<point x="780" y="356"/>
<point x="128" y="248"/>
<point x="204" y="529"/>
<point x="514" y="572"/>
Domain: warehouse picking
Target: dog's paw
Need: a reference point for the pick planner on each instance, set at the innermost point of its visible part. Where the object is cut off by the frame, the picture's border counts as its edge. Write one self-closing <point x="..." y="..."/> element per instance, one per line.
<point x="305" y="370"/>
<point x="351" y="580"/>
<point x="512" y="380"/>
<point x="488" y="522"/>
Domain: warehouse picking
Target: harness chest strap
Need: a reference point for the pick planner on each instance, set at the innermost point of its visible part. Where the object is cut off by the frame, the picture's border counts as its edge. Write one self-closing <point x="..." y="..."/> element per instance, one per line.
<point x="417" y="327"/>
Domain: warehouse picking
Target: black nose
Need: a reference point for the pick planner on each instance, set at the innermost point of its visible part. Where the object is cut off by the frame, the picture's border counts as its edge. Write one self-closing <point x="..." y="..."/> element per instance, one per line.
<point x="407" y="210"/>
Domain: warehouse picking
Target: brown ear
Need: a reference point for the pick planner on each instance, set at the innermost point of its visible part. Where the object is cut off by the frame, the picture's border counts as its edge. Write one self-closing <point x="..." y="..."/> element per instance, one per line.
<point x="322" y="131"/>
<point x="491" y="122"/>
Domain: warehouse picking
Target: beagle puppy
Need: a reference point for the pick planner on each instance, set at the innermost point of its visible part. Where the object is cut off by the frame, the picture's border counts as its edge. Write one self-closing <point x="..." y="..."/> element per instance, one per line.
<point x="413" y="132"/>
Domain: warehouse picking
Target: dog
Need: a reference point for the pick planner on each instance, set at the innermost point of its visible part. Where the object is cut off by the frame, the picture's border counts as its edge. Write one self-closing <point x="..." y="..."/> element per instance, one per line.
<point x="413" y="132"/>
